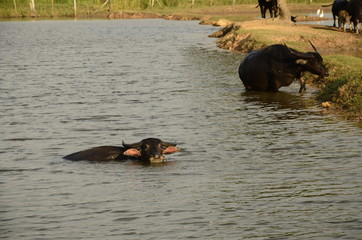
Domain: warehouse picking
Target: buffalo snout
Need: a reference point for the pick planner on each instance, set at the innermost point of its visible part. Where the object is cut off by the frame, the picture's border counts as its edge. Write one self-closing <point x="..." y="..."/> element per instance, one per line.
<point x="321" y="70"/>
<point x="325" y="74"/>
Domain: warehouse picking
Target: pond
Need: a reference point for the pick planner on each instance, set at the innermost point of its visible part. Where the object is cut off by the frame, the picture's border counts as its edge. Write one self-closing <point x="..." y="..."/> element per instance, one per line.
<point x="252" y="165"/>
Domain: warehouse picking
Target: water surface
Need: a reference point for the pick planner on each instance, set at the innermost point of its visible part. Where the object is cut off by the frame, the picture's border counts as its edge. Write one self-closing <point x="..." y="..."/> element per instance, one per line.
<point x="253" y="166"/>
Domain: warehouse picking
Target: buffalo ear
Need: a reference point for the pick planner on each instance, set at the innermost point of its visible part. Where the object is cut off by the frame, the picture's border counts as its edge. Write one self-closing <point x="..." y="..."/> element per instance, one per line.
<point x="301" y="61"/>
<point x="171" y="149"/>
<point x="132" y="152"/>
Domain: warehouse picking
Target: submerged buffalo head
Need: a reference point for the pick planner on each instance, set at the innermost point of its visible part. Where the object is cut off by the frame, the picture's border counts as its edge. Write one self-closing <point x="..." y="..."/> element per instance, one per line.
<point x="150" y="149"/>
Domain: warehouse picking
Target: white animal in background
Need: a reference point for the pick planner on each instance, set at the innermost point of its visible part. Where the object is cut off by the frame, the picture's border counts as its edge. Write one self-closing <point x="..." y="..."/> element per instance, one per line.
<point x="320" y="13"/>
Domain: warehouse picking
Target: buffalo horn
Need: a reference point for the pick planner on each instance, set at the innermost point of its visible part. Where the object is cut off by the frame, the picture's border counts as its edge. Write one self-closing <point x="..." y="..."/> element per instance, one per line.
<point x="315" y="49"/>
<point x="169" y="144"/>
<point x="132" y="145"/>
<point x="299" y="54"/>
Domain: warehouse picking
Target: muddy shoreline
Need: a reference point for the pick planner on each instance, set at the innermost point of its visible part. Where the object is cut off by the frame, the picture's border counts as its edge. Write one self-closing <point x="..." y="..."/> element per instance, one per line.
<point x="250" y="35"/>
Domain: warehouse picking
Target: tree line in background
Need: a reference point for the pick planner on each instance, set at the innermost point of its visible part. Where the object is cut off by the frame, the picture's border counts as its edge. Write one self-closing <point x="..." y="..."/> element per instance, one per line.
<point x="34" y="8"/>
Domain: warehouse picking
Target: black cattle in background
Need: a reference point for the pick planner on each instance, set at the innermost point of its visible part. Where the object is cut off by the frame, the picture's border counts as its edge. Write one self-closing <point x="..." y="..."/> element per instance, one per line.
<point x="276" y="66"/>
<point x="343" y="19"/>
<point x="354" y="9"/>
<point x="271" y="5"/>
<point x="337" y="6"/>
<point x="150" y="150"/>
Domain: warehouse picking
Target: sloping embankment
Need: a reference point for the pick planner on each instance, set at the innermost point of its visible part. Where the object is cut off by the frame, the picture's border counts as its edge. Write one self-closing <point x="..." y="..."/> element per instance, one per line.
<point x="251" y="35"/>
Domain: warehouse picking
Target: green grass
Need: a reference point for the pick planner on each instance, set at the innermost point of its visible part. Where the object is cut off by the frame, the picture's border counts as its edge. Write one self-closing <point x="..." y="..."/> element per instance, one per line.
<point x="344" y="86"/>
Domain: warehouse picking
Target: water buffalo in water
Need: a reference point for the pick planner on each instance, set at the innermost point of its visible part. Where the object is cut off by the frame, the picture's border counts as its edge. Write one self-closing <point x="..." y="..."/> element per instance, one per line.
<point x="276" y="66"/>
<point x="354" y="9"/>
<point x="271" y="5"/>
<point x="150" y="150"/>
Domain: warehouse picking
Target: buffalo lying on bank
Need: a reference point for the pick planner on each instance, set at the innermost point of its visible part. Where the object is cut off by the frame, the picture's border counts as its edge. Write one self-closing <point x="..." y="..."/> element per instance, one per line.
<point x="150" y="150"/>
<point x="276" y="66"/>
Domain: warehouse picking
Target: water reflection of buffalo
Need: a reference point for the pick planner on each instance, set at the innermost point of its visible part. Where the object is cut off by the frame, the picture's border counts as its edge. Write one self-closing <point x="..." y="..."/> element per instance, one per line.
<point x="274" y="101"/>
<point x="150" y="150"/>
<point x="276" y="66"/>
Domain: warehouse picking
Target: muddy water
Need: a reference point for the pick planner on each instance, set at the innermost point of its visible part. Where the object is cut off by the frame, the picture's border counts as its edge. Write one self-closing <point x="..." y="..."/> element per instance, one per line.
<point x="253" y="166"/>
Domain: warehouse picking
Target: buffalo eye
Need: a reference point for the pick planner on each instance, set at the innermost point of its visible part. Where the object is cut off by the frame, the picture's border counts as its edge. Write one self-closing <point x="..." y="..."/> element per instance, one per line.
<point x="162" y="146"/>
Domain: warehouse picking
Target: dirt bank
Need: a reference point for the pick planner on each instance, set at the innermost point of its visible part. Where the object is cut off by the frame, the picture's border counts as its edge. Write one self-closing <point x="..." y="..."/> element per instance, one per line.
<point x="251" y="35"/>
<point x="147" y="15"/>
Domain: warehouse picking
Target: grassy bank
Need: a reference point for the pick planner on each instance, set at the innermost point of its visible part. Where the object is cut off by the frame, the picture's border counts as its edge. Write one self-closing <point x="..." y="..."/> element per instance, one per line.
<point x="342" y="90"/>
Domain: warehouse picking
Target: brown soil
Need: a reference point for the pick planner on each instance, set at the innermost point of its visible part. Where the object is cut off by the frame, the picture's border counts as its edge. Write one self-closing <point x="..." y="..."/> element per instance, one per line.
<point x="251" y="35"/>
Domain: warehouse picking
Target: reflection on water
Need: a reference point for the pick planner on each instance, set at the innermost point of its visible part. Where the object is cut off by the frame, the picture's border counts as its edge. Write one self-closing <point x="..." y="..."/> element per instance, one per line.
<point x="279" y="100"/>
<point x="252" y="166"/>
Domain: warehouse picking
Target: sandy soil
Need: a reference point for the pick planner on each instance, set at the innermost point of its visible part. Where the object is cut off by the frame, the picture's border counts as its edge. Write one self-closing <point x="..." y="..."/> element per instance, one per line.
<point x="250" y="35"/>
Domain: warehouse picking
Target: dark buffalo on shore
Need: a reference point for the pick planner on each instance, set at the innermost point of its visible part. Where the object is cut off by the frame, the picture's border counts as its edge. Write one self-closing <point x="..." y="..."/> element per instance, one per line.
<point x="276" y="66"/>
<point x="271" y="5"/>
<point x="343" y="19"/>
<point x="354" y="9"/>
<point x="150" y="150"/>
<point x="337" y="6"/>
